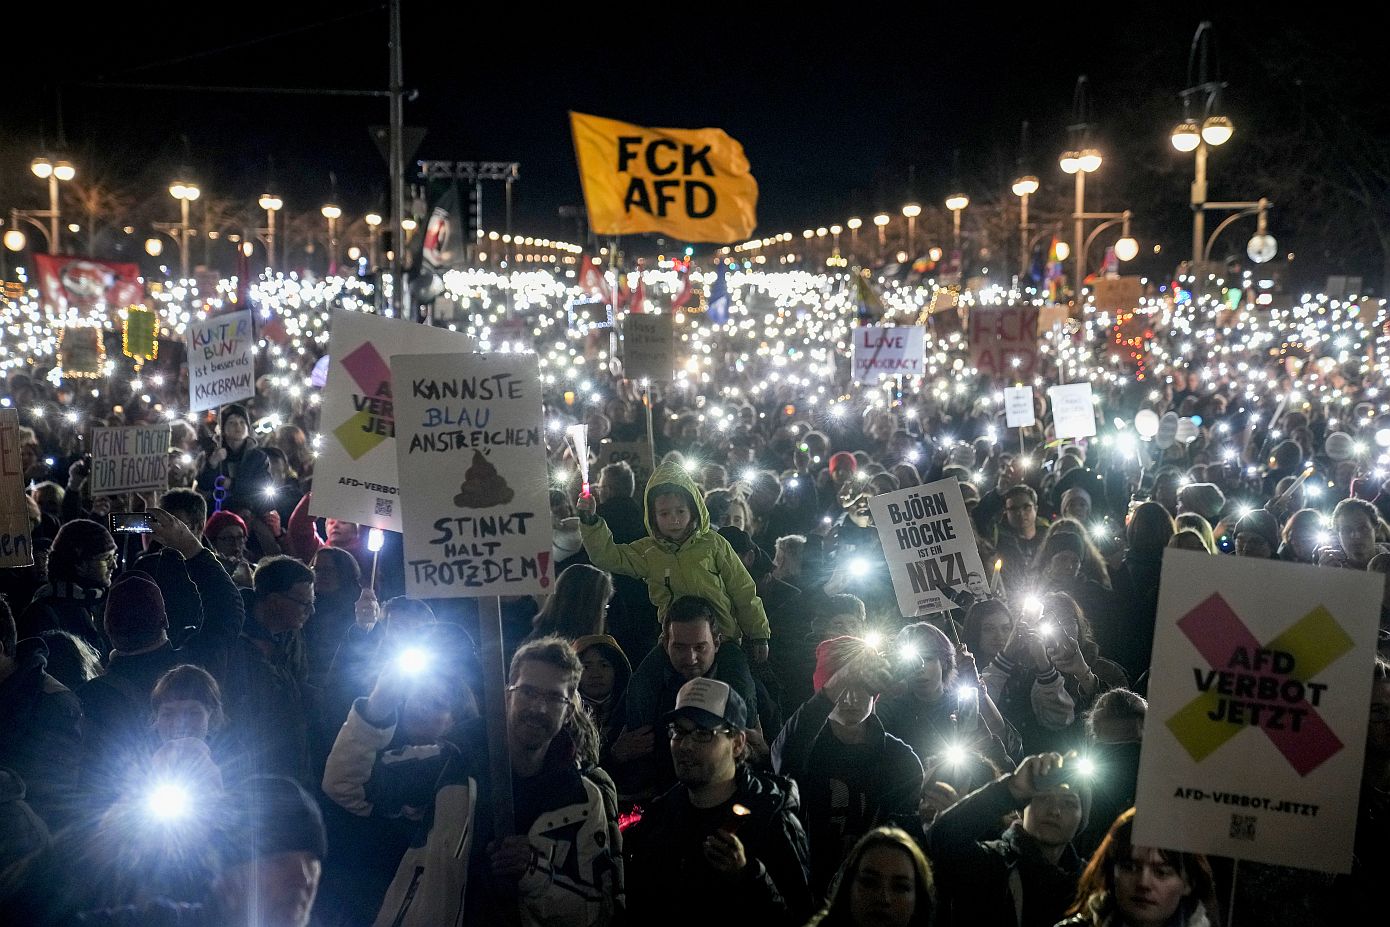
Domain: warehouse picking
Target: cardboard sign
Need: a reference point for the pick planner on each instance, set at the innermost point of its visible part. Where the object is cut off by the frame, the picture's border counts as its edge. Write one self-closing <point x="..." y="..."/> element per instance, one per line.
<point x="1019" y="411"/>
<point x="475" y="492"/>
<point x="929" y="543"/>
<point x="1004" y="341"/>
<point x="649" y="347"/>
<point x="221" y="360"/>
<point x="1112" y="293"/>
<point x="133" y="459"/>
<point x="637" y="454"/>
<point x="888" y="351"/>
<point x="15" y="549"/>
<point x="1050" y="317"/>
<point x="81" y="352"/>
<point x="355" y="474"/>
<point x="1258" y="710"/>
<point x="1073" y="413"/>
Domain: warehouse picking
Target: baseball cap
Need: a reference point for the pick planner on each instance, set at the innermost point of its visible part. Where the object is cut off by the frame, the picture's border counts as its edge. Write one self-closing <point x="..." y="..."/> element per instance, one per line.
<point x="710" y="704"/>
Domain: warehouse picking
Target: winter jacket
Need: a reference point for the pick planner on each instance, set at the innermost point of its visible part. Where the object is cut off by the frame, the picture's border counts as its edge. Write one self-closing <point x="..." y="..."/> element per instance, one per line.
<point x="41" y="733"/>
<point x="672" y="885"/>
<point x="896" y="788"/>
<point x="702" y="565"/>
<point x="569" y="815"/>
<point x="1197" y="917"/>
<point x="998" y="882"/>
<point x="64" y="606"/>
<point x="930" y="730"/>
<point x="246" y="473"/>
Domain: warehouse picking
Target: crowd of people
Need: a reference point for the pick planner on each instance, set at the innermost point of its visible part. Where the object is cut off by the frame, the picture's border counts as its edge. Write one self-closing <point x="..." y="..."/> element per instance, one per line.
<point x="719" y="712"/>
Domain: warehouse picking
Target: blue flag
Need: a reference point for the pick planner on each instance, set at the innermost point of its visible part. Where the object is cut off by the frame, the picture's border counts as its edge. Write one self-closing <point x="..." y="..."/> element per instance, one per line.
<point x="718" y="312"/>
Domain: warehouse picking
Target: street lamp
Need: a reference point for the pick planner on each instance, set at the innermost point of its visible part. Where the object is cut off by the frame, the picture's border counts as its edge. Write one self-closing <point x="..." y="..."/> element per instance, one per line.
<point x="853" y="225"/>
<point x="271" y="204"/>
<point x="332" y="213"/>
<point x="881" y="220"/>
<point x="835" y="230"/>
<point x="1023" y="188"/>
<point x="373" y="221"/>
<point x="1215" y="130"/>
<point x="185" y="192"/>
<point x="1081" y="160"/>
<point x="912" y="211"/>
<point x="957" y="202"/>
<point x="53" y="172"/>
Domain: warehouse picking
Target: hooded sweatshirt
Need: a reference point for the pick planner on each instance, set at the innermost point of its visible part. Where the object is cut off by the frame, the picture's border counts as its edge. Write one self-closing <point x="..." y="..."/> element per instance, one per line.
<point x="703" y="564"/>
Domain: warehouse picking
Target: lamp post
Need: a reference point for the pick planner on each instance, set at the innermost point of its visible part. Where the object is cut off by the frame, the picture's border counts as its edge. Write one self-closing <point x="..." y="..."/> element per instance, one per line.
<point x="373" y="221"/>
<point x="835" y="231"/>
<point x="185" y="192"/>
<point x="1214" y="131"/>
<point x="956" y="202"/>
<point x="881" y="220"/>
<point x="1080" y="160"/>
<point x="332" y="213"/>
<point x="53" y="172"/>
<point x="853" y="226"/>
<point x="271" y="204"/>
<point x="911" y="211"/>
<point x="1024" y="187"/>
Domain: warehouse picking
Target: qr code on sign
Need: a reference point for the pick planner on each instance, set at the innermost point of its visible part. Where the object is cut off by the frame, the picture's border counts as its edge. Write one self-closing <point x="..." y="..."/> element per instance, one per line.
<point x="383" y="506"/>
<point x="1242" y="827"/>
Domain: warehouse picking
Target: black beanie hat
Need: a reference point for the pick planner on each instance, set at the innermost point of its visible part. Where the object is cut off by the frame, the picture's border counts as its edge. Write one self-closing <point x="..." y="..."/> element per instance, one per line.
<point x="271" y="815"/>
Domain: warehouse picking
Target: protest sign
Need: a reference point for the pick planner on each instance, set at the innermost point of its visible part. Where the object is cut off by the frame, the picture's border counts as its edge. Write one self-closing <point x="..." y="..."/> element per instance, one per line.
<point x="86" y="287"/>
<point x="691" y="184"/>
<point x="888" y="351"/>
<point x="133" y="459"/>
<point x="1018" y="407"/>
<point x="221" y="360"/>
<point x="355" y="473"/>
<point x="930" y="546"/>
<point x="81" y="352"/>
<point x="471" y="457"/>
<point x="1073" y="413"/>
<point x="649" y="348"/>
<point x="1259" y="699"/>
<point x="637" y="454"/>
<point x="15" y="550"/>
<point x="1116" y="293"/>
<point x="1004" y="341"/>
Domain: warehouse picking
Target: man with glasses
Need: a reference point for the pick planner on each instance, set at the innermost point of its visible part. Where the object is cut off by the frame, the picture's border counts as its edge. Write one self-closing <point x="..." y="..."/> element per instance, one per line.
<point x="1019" y="538"/>
<point x="725" y="839"/>
<point x="564" y="864"/>
<point x="263" y="676"/>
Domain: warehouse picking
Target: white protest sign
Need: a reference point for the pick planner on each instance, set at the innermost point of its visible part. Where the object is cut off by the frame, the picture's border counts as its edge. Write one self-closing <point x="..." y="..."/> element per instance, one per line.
<point x="15" y="549"/>
<point x="221" y="360"/>
<point x="649" y="347"/>
<point x="1073" y="413"/>
<point x="133" y="459"/>
<point x="475" y="491"/>
<point x="1018" y="407"/>
<point x="888" y="351"/>
<point x="355" y="473"/>
<point x="1259" y="700"/>
<point x="929" y="544"/>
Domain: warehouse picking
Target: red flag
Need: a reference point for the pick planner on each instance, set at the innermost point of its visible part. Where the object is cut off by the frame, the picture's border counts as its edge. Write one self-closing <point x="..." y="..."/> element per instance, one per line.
<point x="591" y="279"/>
<point x="83" y="284"/>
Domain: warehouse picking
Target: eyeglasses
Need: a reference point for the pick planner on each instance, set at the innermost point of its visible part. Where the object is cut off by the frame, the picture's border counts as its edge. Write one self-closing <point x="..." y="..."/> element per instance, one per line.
<point x="306" y="606"/>
<point x="698" y="735"/>
<point x="553" y="700"/>
<point x="109" y="556"/>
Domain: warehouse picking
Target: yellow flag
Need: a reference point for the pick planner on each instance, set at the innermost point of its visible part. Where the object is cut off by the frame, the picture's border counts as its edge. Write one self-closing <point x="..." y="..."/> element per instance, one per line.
<point x="691" y="184"/>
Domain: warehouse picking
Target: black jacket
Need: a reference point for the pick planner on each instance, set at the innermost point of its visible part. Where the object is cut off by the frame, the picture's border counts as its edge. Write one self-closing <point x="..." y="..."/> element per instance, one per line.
<point x="897" y="784"/>
<point x="978" y="880"/>
<point x="64" y="606"/>
<point x="41" y="733"/>
<point x="671" y="884"/>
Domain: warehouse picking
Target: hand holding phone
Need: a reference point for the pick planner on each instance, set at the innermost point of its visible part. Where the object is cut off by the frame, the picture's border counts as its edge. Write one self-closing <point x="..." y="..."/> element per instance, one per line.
<point x="130" y="523"/>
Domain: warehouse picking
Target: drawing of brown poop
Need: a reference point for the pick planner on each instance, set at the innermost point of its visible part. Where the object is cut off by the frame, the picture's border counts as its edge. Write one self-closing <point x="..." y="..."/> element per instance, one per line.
<point x="483" y="487"/>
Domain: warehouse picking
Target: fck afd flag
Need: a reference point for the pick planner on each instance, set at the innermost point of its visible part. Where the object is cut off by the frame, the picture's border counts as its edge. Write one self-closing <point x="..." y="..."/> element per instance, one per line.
<point x="690" y="184"/>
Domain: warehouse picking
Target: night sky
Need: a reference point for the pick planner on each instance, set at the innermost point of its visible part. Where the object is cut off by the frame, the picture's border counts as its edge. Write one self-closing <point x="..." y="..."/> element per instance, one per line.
<point x="840" y="114"/>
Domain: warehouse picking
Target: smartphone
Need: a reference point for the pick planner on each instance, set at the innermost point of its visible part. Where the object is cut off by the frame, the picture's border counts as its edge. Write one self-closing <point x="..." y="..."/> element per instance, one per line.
<point x="131" y="523"/>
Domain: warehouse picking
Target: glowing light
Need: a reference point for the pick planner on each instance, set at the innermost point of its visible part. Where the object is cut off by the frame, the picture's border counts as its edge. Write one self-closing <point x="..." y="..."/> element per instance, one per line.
<point x="169" y="801"/>
<point x="413" y="661"/>
<point x="375" y="539"/>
